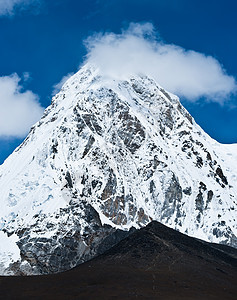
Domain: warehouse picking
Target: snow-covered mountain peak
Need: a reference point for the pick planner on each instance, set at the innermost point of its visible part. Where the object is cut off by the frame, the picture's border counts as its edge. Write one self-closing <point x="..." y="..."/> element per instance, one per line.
<point x="111" y="154"/>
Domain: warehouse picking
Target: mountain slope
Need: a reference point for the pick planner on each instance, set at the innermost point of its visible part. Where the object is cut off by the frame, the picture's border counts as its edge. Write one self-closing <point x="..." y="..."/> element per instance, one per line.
<point x="154" y="262"/>
<point x="106" y="156"/>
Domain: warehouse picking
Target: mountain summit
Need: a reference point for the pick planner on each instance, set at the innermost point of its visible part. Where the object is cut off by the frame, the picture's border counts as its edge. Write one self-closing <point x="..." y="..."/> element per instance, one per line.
<point x="106" y="156"/>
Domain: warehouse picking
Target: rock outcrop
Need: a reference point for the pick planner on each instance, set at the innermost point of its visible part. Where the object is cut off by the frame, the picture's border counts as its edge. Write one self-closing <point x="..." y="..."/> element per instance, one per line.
<point x="106" y="156"/>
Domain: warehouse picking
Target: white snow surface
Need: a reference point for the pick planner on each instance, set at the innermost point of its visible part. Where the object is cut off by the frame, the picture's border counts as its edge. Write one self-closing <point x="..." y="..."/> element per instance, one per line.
<point x="9" y="252"/>
<point x="130" y="134"/>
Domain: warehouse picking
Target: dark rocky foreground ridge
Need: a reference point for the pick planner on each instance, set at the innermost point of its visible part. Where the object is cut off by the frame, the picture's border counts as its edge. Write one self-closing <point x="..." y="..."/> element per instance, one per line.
<point x="111" y="154"/>
<point x="155" y="262"/>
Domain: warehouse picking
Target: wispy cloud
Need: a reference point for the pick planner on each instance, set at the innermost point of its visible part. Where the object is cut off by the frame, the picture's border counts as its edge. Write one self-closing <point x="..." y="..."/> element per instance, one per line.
<point x="138" y="49"/>
<point x="57" y="87"/>
<point x="9" y="7"/>
<point x="18" y="109"/>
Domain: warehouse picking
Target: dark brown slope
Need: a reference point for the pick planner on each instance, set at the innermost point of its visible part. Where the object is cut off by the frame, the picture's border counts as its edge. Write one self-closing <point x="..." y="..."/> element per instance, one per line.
<point x="155" y="262"/>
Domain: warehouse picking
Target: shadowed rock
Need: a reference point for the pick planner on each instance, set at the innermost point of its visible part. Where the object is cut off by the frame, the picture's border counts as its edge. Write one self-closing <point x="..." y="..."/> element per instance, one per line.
<point x="155" y="262"/>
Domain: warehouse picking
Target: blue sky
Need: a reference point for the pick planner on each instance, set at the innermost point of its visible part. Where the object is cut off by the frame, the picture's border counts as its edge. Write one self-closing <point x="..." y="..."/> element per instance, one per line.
<point x="42" y="41"/>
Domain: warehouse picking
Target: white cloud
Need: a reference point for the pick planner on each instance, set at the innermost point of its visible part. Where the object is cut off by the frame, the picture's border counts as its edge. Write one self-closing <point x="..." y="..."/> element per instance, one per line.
<point x="26" y="76"/>
<point x="183" y="72"/>
<point x="57" y="87"/>
<point x="19" y="110"/>
<point x="7" y="7"/>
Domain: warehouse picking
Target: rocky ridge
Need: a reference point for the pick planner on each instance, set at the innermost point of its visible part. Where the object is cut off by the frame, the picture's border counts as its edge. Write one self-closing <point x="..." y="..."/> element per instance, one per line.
<point x="106" y="156"/>
<point x="154" y="262"/>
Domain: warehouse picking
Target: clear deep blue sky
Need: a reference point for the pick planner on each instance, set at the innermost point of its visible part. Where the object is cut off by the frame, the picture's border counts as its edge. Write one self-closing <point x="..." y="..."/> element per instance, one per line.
<point x="48" y="43"/>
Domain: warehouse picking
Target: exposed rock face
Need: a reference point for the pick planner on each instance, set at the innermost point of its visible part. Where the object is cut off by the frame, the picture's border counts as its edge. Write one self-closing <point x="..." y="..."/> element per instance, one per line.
<point x="155" y="262"/>
<point x="109" y="155"/>
<point x="69" y="245"/>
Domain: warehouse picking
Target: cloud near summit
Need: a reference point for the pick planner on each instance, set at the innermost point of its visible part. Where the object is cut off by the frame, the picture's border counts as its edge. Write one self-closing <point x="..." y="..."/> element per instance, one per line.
<point x="183" y="72"/>
<point x="19" y="109"/>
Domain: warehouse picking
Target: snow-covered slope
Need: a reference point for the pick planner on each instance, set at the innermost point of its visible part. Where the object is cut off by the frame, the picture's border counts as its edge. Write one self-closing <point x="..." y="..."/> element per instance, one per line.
<point x="111" y="154"/>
